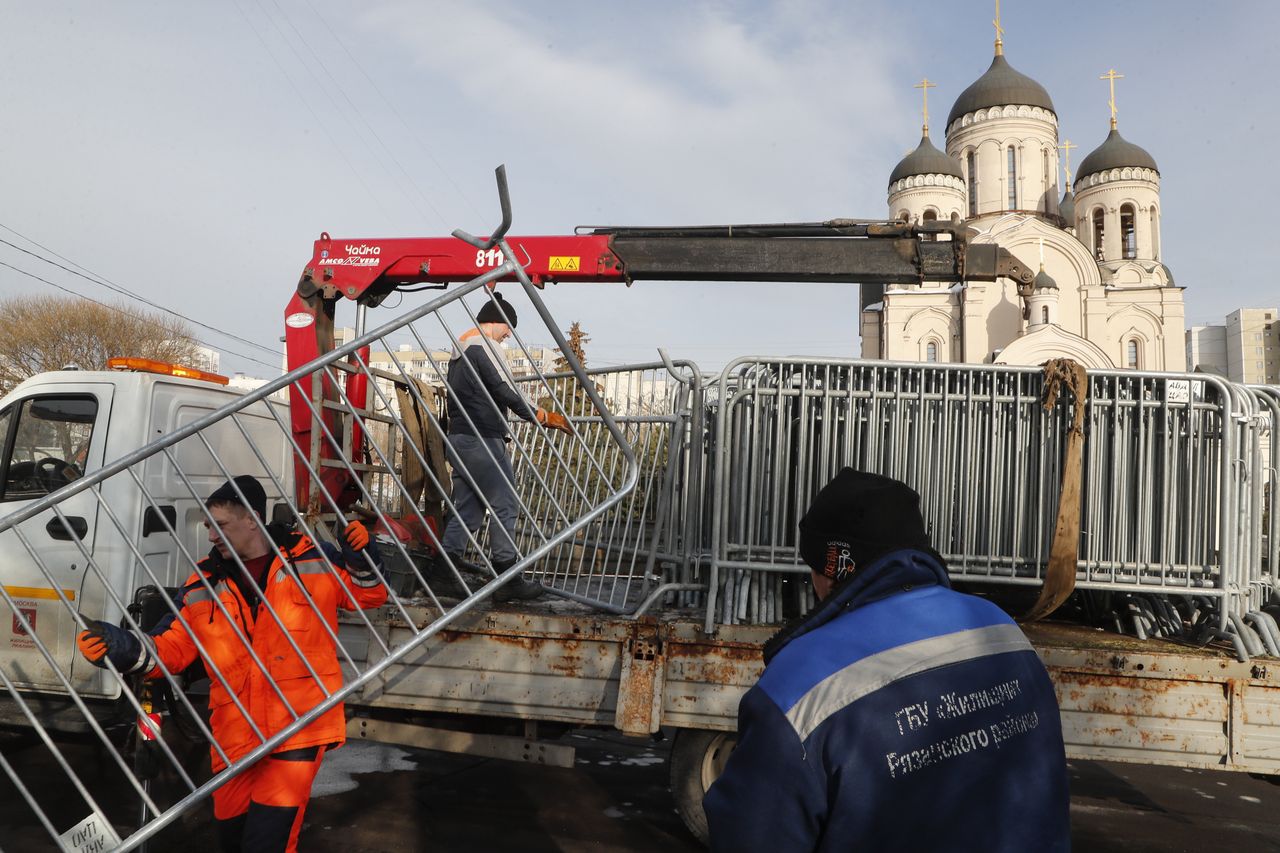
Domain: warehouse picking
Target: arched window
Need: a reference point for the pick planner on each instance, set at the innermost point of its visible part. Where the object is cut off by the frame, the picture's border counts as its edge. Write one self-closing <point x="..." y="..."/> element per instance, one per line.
<point x="1097" y="233"/>
<point x="1131" y="354"/>
<point x="1044" y="162"/>
<point x="931" y="352"/>
<point x="972" y="161"/>
<point x="1013" y="179"/>
<point x="1044" y="314"/>
<point x="1128" y="237"/>
<point x="1155" y="234"/>
<point x="929" y="216"/>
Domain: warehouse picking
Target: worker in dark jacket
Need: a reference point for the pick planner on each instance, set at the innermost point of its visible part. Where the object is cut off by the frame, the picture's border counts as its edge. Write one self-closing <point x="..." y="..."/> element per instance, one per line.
<point x="899" y="715"/>
<point x="480" y="395"/>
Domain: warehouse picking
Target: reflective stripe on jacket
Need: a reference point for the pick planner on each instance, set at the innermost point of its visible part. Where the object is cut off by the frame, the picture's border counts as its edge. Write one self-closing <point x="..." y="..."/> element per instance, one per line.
<point x="899" y="716"/>
<point x="311" y="629"/>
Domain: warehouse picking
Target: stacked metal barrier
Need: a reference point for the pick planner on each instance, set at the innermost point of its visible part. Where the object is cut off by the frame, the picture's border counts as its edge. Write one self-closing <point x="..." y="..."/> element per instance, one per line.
<point x="1177" y="537"/>
<point x="47" y="686"/>
<point x="1173" y="486"/>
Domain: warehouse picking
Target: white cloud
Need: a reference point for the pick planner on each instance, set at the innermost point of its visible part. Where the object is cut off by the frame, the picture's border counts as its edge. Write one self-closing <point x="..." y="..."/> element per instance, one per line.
<point x="697" y="111"/>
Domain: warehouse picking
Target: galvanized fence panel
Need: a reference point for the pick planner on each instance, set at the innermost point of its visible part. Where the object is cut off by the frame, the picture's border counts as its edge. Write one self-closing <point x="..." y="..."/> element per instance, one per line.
<point x="147" y="514"/>
<point x="1258" y="528"/>
<point x="1169" y="504"/>
<point x="1268" y="397"/>
<point x="641" y="551"/>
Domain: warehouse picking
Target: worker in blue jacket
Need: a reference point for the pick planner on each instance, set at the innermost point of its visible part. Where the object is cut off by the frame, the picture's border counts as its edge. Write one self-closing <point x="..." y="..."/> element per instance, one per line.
<point x="899" y="715"/>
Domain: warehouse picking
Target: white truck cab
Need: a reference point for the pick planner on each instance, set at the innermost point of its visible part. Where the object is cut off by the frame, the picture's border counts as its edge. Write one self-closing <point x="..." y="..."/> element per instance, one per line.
<point x="62" y="425"/>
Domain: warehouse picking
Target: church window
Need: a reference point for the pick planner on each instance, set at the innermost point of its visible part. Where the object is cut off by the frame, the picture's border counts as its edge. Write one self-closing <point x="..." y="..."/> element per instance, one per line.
<point x="1013" y="178"/>
<point x="931" y="352"/>
<point x="929" y="216"/>
<point x="972" y="160"/>
<point x="1044" y="314"/>
<point x="1131" y="355"/>
<point x="1097" y="233"/>
<point x="1128" y="237"/>
<point x="1044" y="164"/>
<point x="1155" y="234"/>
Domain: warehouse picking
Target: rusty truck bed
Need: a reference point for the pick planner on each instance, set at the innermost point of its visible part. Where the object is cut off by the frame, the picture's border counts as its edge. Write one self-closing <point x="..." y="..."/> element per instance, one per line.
<point x="1122" y="699"/>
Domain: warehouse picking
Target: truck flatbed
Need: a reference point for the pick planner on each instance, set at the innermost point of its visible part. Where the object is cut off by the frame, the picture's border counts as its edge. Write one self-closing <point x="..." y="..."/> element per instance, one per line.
<point x="1122" y="699"/>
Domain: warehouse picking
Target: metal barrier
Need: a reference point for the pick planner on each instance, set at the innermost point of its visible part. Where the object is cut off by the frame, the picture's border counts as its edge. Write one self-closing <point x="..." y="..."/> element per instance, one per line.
<point x="147" y="512"/>
<point x="639" y="551"/>
<point x="1172" y="490"/>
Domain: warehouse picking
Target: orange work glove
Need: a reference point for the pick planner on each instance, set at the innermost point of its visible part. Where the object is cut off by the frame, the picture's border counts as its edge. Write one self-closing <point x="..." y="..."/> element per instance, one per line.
<point x="92" y="644"/>
<point x="103" y="642"/>
<point x="554" y="420"/>
<point x="356" y="536"/>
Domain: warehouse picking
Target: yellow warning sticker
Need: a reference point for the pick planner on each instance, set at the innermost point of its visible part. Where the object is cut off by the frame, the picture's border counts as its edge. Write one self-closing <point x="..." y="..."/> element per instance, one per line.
<point x="560" y="263"/>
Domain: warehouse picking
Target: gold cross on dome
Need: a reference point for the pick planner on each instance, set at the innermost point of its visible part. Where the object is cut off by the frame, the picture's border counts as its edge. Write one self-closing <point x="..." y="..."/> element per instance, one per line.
<point x="926" y="86"/>
<point x="999" y="31"/>
<point x="1066" y="147"/>
<point x="1111" y="76"/>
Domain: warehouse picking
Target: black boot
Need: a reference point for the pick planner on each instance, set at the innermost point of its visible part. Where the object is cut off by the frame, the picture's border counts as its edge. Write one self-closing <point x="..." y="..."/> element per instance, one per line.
<point x="443" y="580"/>
<point x="518" y="588"/>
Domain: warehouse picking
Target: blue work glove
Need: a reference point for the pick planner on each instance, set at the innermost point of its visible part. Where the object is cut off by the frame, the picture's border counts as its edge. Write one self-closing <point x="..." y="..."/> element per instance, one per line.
<point x="103" y="641"/>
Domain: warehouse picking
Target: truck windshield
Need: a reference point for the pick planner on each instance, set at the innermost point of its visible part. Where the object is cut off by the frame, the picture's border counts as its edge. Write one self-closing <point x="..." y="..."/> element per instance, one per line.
<point x="48" y="442"/>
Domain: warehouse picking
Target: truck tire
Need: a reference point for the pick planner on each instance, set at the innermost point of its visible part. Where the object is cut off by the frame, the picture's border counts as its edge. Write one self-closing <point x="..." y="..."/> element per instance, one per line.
<point x="697" y="758"/>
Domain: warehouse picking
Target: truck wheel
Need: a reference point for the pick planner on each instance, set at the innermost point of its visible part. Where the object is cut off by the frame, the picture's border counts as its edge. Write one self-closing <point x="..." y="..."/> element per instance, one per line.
<point x="697" y="758"/>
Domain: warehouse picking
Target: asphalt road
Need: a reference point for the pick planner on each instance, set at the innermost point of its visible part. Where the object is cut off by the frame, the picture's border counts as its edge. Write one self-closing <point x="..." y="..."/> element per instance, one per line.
<point x="378" y="798"/>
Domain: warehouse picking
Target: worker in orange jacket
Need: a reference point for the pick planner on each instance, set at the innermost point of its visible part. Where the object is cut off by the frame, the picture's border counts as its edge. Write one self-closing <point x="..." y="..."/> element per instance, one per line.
<point x="261" y="809"/>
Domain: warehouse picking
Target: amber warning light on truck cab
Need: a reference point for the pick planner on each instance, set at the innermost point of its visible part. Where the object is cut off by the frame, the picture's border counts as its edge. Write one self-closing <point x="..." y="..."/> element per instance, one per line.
<point x="146" y="365"/>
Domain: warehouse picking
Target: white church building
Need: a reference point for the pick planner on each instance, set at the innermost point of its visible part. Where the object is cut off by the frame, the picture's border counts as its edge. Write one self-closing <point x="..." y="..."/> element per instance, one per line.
<point x="1102" y="297"/>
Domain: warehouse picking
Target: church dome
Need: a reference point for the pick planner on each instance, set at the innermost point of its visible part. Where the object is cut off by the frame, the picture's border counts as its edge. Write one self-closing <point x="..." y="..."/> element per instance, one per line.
<point x="925" y="160"/>
<point x="1115" y="153"/>
<point x="1043" y="281"/>
<point x="1067" y="208"/>
<point x="1000" y="86"/>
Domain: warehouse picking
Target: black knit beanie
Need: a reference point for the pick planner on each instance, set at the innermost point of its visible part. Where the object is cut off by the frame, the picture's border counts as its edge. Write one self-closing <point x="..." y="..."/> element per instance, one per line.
<point x="498" y="310"/>
<point x="253" y="493"/>
<point x="858" y="517"/>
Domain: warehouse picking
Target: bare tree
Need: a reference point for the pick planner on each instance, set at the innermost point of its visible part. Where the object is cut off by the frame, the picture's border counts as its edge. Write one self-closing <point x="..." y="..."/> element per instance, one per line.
<point x="39" y="333"/>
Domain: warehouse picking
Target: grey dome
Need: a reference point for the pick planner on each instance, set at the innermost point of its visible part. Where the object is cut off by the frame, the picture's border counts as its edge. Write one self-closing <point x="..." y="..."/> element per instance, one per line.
<point x="1067" y="208"/>
<point x="1115" y="153"/>
<point x="1043" y="281"/>
<point x="1000" y="86"/>
<point x="925" y="160"/>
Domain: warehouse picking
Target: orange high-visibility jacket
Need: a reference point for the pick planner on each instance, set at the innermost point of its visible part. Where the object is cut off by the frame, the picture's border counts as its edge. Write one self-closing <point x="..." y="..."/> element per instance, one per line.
<point x="328" y="587"/>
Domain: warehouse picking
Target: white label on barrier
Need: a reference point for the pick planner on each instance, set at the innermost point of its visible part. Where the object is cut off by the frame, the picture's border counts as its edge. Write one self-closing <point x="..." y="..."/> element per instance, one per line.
<point x="1177" y="391"/>
<point x="91" y="835"/>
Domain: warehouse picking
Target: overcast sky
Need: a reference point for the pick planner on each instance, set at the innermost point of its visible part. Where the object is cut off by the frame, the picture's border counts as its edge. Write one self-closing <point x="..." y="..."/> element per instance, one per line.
<point x="191" y="152"/>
